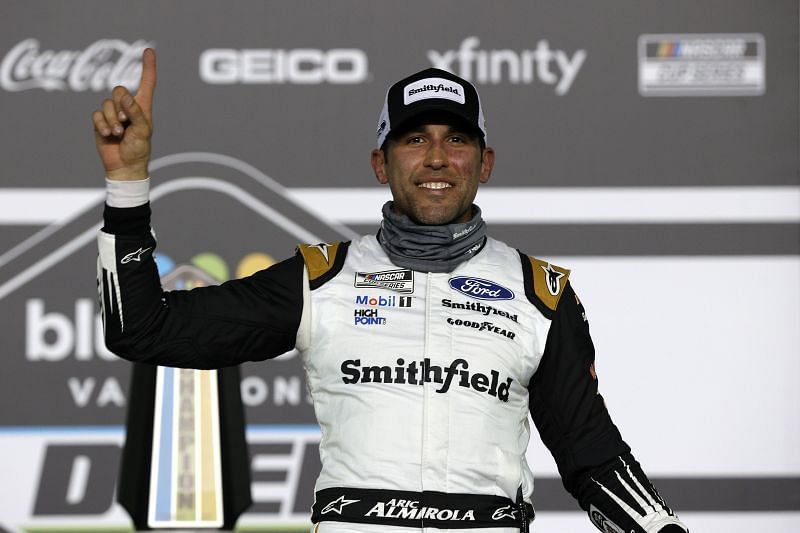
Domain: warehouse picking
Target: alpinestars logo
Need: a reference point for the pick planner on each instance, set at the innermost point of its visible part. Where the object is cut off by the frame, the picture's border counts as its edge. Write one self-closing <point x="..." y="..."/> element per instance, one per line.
<point x="506" y="511"/>
<point x="336" y="505"/>
<point x="134" y="256"/>
<point x="602" y="522"/>
<point x="421" y="372"/>
<point x="553" y="279"/>
<point x="323" y="249"/>
<point x="410" y="510"/>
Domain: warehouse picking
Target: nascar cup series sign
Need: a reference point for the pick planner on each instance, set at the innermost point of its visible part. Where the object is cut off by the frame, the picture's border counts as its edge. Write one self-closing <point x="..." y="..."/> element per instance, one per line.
<point x="702" y="65"/>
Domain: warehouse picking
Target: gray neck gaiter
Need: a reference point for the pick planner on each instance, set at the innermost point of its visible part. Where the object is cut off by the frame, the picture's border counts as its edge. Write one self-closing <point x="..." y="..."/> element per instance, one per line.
<point x="430" y="248"/>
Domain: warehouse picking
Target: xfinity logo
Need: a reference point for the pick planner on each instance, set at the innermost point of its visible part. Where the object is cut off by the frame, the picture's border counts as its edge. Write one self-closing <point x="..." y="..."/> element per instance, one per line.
<point x="481" y="289"/>
<point x="552" y="67"/>
<point x="307" y="66"/>
<point x="101" y="66"/>
<point x="420" y="372"/>
<point x="433" y="88"/>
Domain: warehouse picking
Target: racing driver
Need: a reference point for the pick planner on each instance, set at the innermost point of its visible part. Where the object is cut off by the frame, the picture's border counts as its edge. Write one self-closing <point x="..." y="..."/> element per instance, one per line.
<point x="423" y="400"/>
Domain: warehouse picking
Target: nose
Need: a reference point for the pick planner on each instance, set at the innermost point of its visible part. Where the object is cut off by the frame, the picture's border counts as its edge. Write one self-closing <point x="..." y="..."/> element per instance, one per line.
<point x="436" y="156"/>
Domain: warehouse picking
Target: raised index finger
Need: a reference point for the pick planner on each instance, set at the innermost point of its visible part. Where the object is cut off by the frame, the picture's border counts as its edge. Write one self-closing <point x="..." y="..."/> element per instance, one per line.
<point x="147" y="83"/>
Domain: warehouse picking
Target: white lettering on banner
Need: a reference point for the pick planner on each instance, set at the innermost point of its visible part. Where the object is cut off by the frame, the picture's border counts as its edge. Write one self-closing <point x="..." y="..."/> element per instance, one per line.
<point x="553" y="67"/>
<point x="65" y="337"/>
<point x="300" y="66"/>
<point x="103" y="65"/>
<point x="285" y="391"/>
<point x="110" y="392"/>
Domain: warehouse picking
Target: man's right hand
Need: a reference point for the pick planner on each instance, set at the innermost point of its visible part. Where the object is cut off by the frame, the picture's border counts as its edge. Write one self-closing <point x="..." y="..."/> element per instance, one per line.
<point x="124" y="125"/>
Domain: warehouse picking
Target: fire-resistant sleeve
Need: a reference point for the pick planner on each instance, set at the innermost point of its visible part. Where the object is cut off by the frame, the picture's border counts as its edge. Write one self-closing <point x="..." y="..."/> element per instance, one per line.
<point x="248" y="319"/>
<point x="595" y="464"/>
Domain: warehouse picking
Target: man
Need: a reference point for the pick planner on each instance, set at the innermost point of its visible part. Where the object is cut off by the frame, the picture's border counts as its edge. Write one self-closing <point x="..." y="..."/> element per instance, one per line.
<point x="424" y="420"/>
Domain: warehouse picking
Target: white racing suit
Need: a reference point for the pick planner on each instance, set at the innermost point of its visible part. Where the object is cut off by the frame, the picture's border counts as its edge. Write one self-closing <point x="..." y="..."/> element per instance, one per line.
<point x="422" y="383"/>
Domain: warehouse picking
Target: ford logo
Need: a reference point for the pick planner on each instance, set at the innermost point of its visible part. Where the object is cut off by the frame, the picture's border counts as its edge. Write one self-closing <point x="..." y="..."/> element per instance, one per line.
<point x="482" y="289"/>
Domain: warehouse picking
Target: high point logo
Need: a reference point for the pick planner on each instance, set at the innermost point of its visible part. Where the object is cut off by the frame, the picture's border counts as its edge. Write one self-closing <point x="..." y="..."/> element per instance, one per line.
<point x="368" y="317"/>
<point x="420" y="372"/>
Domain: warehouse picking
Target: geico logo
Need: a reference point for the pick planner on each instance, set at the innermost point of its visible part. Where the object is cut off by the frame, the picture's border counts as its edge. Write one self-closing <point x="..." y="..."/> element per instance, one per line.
<point x="101" y="66"/>
<point x="553" y="67"/>
<point x="303" y="66"/>
<point x="420" y="372"/>
<point x="55" y="336"/>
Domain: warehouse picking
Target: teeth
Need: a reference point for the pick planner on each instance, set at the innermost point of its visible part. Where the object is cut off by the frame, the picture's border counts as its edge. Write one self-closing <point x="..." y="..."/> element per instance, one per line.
<point x="435" y="185"/>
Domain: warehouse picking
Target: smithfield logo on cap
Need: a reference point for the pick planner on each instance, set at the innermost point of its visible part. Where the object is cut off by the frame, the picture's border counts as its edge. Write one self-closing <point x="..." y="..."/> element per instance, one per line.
<point x="482" y="289"/>
<point x="433" y="88"/>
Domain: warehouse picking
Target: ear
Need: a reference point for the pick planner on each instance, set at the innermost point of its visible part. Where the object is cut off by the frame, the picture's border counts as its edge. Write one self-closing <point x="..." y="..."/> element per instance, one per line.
<point x="379" y="166"/>
<point x="487" y="164"/>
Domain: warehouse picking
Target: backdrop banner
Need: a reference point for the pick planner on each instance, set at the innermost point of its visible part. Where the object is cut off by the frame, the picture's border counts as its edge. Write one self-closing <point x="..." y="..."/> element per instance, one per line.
<point x="650" y="147"/>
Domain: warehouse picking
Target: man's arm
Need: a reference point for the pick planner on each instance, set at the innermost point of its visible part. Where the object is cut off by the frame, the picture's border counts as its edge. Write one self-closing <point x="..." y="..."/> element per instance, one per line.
<point x="242" y="320"/>
<point x="248" y="319"/>
<point x="595" y="464"/>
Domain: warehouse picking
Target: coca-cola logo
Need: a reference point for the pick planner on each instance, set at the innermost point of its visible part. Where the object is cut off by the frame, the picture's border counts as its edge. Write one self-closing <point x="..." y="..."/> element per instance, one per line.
<point x="482" y="289"/>
<point x="101" y="66"/>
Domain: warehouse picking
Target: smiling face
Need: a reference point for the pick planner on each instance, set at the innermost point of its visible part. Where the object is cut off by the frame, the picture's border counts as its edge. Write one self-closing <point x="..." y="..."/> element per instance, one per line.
<point x="433" y="171"/>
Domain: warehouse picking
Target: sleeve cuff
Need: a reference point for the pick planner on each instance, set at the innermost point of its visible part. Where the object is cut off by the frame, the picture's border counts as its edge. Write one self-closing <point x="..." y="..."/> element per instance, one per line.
<point x="127" y="193"/>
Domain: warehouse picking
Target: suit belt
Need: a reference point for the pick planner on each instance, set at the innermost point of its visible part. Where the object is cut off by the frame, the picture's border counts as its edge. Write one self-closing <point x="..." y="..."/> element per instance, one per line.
<point x="421" y="509"/>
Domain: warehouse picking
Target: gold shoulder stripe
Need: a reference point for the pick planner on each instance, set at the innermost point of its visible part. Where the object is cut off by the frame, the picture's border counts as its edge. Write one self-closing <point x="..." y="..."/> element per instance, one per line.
<point x="548" y="281"/>
<point x="319" y="258"/>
